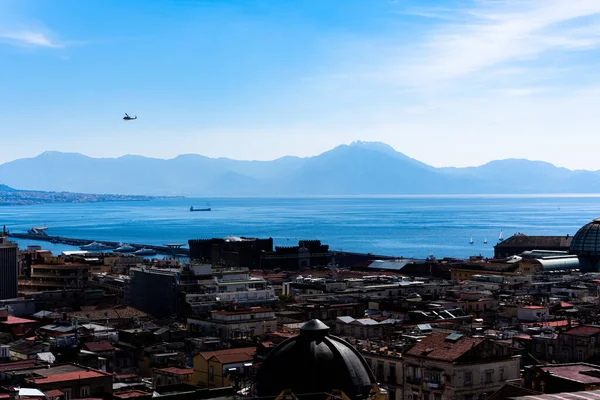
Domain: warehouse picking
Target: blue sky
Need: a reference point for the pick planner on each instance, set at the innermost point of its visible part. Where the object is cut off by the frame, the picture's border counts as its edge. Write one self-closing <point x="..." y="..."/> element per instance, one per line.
<point x="447" y="82"/>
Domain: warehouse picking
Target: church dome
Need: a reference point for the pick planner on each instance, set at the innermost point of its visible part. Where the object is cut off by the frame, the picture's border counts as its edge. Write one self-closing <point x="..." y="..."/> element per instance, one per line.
<point x="313" y="364"/>
<point x="586" y="241"/>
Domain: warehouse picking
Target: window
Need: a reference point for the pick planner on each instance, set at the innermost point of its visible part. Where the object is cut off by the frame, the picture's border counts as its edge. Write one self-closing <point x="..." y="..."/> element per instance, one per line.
<point x="579" y="355"/>
<point x="211" y="374"/>
<point x="502" y="374"/>
<point x="489" y="376"/>
<point x="84" y="392"/>
<point x="392" y="377"/>
<point x="391" y="394"/>
<point x="67" y="393"/>
<point x="468" y="378"/>
<point x="550" y="350"/>
<point x="432" y="376"/>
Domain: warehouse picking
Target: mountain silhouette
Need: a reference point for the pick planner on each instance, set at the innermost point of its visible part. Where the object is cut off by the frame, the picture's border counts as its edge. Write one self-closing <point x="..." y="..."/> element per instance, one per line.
<point x="361" y="168"/>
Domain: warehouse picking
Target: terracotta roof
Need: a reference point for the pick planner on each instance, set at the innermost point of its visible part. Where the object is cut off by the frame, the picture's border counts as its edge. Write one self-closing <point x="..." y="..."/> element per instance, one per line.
<point x="508" y="391"/>
<point x="132" y="394"/>
<point x="435" y="346"/>
<point x="66" y="376"/>
<point x="583" y="331"/>
<point x="54" y="393"/>
<point x="554" y="324"/>
<point x="99" y="346"/>
<point x="176" y="371"/>
<point x="244" y="350"/>
<point x="533" y="307"/>
<point x="17" y="321"/>
<point x="18" y="365"/>
<point x="574" y="372"/>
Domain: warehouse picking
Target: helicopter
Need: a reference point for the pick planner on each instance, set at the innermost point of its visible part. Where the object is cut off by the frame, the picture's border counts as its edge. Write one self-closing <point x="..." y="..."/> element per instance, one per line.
<point x="128" y="118"/>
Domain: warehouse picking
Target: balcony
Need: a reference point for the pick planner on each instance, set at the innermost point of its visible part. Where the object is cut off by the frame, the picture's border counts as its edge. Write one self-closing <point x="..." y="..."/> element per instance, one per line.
<point x="413" y="380"/>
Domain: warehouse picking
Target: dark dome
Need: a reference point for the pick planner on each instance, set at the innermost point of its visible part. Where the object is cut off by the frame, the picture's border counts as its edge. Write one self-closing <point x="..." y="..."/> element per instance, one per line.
<point x="586" y="241"/>
<point x="314" y="362"/>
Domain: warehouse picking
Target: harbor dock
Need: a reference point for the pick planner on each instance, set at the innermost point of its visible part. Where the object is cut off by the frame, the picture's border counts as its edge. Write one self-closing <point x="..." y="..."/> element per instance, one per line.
<point x="166" y="249"/>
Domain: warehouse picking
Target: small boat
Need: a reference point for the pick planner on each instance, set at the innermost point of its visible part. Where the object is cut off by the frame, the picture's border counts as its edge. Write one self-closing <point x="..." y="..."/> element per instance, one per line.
<point x="501" y="237"/>
<point x="95" y="246"/>
<point x="485" y="241"/>
<point x="471" y="242"/>
<point x="200" y="209"/>
<point x="145" y="252"/>
<point x="125" y="248"/>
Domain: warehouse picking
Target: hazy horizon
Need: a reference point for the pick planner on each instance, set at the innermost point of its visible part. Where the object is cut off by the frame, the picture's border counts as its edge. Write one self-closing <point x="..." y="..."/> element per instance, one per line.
<point x="273" y="159"/>
<point x="449" y="83"/>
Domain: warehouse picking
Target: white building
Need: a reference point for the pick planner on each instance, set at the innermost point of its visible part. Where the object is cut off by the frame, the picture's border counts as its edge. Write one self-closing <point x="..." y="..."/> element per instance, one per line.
<point x="533" y="313"/>
<point x="236" y="323"/>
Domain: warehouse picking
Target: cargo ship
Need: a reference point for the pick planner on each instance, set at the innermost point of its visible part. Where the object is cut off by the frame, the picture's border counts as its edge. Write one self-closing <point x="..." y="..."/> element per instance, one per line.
<point x="199" y="209"/>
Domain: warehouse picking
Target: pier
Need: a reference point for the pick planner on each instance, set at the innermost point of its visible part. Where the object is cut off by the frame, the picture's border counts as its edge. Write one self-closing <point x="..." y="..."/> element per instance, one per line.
<point x="167" y="249"/>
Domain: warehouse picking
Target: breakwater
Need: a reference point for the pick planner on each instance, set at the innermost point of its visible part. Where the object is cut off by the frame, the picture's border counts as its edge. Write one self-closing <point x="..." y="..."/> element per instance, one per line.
<point x="171" y="250"/>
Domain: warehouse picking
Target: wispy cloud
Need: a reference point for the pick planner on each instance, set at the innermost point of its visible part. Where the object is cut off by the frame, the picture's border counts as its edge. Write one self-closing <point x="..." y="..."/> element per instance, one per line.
<point x="498" y="33"/>
<point x="29" y="39"/>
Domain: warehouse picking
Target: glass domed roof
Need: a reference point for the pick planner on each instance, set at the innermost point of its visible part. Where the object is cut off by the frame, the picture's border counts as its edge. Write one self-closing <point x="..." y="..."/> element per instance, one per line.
<point x="586" y="241"/>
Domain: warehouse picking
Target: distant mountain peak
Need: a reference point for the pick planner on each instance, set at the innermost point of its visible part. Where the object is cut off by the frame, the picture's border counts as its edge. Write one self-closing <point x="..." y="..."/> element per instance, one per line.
<point x="377" y="146"/>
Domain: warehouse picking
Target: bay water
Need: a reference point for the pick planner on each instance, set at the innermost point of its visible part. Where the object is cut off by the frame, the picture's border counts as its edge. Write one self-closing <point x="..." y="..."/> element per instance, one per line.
<point x="408" y="226"/>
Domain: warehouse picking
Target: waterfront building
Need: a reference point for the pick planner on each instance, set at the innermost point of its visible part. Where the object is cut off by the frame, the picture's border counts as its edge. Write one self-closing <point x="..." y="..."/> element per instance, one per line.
<point x="231" y="251"/>
<point x="9" y="266"/>
<point x="253" y="253"/>
<point x="520" y="243"/>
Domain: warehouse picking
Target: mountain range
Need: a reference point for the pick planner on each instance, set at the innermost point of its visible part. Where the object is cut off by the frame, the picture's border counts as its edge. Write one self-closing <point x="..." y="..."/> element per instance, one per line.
<point x="361" y="168"/>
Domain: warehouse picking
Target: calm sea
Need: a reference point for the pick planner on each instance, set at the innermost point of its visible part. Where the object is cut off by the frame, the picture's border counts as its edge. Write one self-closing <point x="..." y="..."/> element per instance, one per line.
<point x="398" y="226"/>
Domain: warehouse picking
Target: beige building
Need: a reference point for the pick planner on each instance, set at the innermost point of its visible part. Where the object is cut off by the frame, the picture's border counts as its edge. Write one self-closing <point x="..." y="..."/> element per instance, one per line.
<point x="456" y="367"/>
<point x="386" y="365"/>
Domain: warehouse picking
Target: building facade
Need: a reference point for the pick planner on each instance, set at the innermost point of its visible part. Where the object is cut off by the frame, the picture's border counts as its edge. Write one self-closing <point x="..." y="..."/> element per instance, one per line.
<point x="445" y="367"/>
<point x="9" y="269"/>
<point x="236" y="323"/>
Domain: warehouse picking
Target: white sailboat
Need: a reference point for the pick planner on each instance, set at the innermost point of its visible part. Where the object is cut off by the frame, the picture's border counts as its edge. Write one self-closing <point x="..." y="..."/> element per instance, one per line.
<point x="485" y="241"/>
<point x="501" y="237"/>
<point x="471" y="242"/>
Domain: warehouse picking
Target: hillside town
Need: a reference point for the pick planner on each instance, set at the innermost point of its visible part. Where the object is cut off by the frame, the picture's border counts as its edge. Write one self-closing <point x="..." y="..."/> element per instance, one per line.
<point x="15" y="197"/>
<point x="239" y="319"/>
